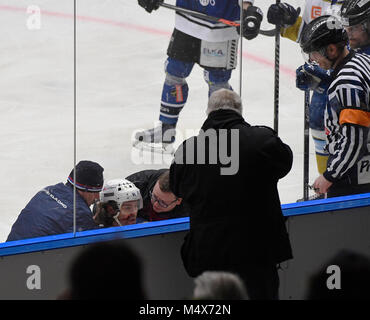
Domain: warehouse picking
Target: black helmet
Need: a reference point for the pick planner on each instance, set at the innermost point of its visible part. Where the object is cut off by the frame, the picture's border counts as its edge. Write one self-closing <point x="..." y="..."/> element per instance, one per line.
<point x="321" y="32"/>
<point x="355" y="12"/>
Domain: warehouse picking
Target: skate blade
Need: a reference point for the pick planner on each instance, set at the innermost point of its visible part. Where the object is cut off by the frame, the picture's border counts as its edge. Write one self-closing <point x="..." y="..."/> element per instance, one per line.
<point x="313" y="197"/>
<point x="162" y="148"/>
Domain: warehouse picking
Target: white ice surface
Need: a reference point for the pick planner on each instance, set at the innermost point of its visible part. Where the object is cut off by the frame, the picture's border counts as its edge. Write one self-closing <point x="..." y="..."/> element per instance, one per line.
<point x="121" y="51"/>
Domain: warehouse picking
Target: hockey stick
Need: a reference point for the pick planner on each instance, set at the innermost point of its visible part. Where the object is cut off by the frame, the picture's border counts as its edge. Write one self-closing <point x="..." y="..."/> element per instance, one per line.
<point x="306" y="145"/>
<point x="277" y="75"/>
<point x="268" y="33"/>
<point x="241" y="51"/>
<point x="199" y="15"/>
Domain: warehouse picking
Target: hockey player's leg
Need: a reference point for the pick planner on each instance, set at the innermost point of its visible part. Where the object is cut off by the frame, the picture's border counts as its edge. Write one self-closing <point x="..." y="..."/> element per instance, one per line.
<point x="317" y="126"/>
<point x="174" y="96"/>
<point x="321" y="154"/>
<point x="175" y="90"/>
<point x="217" y="79"/>
<point x="183" y="51"/>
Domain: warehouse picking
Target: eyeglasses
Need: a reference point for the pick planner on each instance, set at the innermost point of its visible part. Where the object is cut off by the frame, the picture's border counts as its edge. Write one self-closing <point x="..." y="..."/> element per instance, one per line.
<point x="160" y="202"/>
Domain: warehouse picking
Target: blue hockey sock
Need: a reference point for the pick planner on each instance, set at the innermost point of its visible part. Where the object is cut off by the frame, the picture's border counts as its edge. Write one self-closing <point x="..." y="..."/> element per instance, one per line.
<point x="174" y="97"/>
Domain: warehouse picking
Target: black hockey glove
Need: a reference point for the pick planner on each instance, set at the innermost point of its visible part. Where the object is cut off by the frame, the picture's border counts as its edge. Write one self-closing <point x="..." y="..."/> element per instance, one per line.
<point x="150" y="5"/>
<point x="282" y="14"/>
<point x="252" y="18"/>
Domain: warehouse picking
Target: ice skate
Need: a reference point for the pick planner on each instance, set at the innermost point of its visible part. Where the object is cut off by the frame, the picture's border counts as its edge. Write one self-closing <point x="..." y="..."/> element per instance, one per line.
<point x="158" y="139"/>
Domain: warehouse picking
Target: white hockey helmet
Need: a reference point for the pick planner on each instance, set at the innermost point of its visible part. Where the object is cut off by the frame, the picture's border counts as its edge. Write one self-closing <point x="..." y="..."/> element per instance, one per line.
<point x="120" y="191"/>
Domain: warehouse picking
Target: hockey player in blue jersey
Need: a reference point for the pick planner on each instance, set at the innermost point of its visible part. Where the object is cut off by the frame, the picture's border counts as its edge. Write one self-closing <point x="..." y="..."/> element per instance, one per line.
<point x="309" y="76"/>
<point x="192" y="41"/>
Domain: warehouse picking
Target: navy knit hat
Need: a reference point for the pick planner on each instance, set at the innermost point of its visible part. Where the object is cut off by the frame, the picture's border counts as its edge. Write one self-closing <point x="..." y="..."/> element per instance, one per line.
<point x="89" y="176"/>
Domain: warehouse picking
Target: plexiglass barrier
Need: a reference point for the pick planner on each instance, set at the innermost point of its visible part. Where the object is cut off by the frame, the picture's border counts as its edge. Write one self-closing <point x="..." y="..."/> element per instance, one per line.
<point x="99" y="67"/>
<point x="36" y="101"/>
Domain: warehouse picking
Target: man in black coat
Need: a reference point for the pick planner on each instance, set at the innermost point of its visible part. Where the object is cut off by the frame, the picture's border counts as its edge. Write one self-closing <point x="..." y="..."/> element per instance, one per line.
<point x="159" y="203"/>
<point x="228" y="175"/>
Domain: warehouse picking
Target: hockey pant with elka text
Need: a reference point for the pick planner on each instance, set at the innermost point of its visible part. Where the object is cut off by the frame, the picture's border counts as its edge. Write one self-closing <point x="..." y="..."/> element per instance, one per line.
<point x="175" y="88"/>
<point x="317" y="126"/>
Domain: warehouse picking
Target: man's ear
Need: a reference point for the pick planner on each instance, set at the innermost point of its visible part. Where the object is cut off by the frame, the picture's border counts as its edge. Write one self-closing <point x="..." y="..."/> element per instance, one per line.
<point x="179" y="200"/>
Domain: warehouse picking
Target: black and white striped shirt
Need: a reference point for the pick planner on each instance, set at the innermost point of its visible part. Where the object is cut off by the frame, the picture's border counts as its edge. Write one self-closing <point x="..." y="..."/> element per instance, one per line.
<point x="347" y="119"/>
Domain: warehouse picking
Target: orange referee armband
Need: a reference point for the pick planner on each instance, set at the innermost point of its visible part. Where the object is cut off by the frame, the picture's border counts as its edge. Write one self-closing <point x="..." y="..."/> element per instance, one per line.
<point x="355" y="116"/>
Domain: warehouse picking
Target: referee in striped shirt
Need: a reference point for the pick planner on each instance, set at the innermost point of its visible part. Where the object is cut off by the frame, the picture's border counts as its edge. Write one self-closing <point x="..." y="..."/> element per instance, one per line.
<point x="347" y="115"/>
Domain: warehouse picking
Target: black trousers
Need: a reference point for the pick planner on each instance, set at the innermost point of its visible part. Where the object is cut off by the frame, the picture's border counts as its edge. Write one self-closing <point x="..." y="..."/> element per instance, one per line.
<point x="261" y="281"/>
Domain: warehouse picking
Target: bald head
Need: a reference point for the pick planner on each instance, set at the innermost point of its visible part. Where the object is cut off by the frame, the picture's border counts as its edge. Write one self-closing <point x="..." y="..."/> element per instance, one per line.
<point x="224" y="99"/>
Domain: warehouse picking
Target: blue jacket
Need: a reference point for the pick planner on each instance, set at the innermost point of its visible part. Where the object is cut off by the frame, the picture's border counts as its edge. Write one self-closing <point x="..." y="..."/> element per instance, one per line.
<point x="50" y="212"/>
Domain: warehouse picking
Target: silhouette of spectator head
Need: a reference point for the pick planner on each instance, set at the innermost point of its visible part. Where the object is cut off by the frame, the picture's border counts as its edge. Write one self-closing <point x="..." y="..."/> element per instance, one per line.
<point x="219" y="285"/>
<point x="106" y="271"/>
<point x="346" y="276"/>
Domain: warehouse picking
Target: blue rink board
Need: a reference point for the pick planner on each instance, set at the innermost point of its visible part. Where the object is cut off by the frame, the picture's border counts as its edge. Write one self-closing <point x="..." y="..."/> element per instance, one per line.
<point x="167" y="226"/>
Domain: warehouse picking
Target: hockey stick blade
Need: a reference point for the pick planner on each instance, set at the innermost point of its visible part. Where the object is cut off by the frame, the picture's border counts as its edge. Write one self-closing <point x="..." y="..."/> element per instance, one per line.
<point x="154" y="147"/>
<point x="313" y="197"/>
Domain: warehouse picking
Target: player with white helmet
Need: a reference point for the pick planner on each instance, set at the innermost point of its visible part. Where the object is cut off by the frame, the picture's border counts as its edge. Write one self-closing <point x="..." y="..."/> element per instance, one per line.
<point x="119" y="203"/>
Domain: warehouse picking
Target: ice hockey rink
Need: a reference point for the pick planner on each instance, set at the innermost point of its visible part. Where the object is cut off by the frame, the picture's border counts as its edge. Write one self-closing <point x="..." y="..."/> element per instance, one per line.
<point x="121" y="51"/>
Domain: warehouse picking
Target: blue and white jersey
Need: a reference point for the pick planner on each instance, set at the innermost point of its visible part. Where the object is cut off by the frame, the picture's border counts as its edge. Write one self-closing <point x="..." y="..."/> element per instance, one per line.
<point x="205" y="30"/>
<point x="347" y="121"/>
